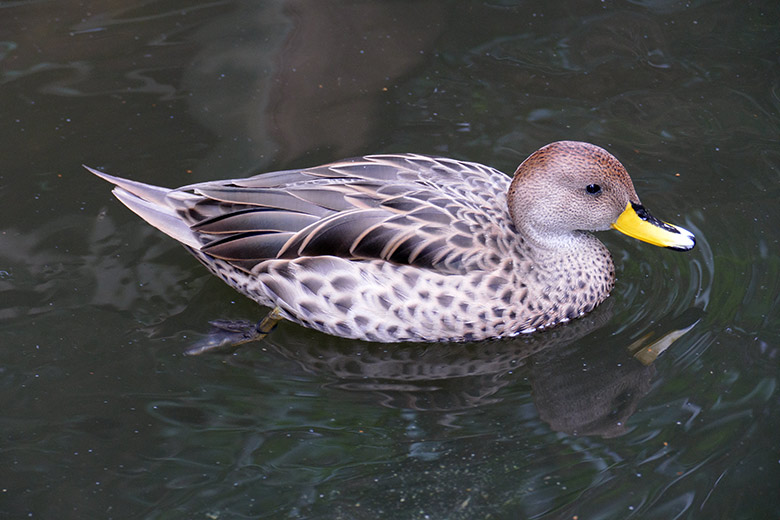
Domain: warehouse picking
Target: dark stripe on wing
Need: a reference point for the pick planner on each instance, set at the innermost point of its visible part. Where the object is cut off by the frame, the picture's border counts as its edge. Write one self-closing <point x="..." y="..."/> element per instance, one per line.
<point x="255" y="220"/>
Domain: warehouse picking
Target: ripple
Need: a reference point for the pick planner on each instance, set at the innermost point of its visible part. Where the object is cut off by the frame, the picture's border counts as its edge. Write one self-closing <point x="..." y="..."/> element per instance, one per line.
<point x="656" y="284"/>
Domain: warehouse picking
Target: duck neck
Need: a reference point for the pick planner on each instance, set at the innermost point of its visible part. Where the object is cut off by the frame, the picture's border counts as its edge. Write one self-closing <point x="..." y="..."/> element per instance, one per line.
<point x="546" y="245"/>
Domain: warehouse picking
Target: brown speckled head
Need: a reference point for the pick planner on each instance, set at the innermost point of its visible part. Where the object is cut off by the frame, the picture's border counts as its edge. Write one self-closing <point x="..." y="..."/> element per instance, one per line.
<point x="567" y="186"/>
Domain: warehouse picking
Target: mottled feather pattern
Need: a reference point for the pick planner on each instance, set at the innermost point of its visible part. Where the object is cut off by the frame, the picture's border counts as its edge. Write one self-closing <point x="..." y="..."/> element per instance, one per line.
<point x="394" y="214"/>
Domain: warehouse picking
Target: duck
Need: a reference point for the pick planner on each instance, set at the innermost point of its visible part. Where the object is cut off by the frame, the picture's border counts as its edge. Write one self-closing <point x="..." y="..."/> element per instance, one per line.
<point x="413" y="248"/>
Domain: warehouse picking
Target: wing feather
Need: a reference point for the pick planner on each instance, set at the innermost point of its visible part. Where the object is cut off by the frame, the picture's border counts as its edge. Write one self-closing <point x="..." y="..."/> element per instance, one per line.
<point x="407" y="209"/>
<point x="336" y="235"/>
<point x="254" y="220"/>
<point x="247" y="246"/>
<point x="265" y="197"/>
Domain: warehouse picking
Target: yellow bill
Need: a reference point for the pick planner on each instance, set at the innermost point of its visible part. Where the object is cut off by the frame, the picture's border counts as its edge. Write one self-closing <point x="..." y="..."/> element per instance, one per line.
<point x="637" y="222"/>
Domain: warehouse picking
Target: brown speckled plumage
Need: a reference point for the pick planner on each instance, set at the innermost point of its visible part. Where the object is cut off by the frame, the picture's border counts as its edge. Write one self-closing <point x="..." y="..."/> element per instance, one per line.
<point x="407" y="247"/>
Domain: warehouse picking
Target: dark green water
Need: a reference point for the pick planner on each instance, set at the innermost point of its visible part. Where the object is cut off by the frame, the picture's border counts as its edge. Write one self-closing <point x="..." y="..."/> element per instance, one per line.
<point x="103" y="417"/>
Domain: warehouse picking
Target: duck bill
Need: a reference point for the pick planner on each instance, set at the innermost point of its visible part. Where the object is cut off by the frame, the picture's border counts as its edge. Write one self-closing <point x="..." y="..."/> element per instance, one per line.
<point x="637" y="222"/>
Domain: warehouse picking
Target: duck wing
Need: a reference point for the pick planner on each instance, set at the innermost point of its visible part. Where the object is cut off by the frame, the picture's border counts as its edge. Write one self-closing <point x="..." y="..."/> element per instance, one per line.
<point x="427" y="212"/>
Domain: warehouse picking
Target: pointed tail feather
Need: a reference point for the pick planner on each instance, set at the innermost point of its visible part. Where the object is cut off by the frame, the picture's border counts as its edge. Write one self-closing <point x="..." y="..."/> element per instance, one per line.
<point x="151" y="203"/>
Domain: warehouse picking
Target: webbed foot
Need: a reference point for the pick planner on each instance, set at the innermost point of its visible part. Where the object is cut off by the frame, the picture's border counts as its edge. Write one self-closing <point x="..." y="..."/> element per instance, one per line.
<point x="231" y="333"/>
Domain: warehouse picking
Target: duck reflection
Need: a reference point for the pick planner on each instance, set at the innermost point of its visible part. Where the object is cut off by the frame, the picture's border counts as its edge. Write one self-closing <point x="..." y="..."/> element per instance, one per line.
<point x="297" y="78"/>
<point x="583" y="381"/>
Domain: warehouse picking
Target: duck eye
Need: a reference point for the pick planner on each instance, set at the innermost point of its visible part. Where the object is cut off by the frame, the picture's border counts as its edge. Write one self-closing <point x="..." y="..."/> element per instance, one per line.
<point x="593" y="189"/>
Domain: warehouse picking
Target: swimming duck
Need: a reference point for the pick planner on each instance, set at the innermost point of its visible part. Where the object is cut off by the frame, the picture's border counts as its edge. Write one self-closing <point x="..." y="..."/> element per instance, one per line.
<point x="405" y="247"/>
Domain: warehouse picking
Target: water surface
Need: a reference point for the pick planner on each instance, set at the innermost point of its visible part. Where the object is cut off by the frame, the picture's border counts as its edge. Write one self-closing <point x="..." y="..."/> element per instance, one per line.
<point x="103" y="417"/>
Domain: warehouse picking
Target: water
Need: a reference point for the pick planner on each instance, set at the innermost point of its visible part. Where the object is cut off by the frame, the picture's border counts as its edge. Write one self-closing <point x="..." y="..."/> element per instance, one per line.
<point x="103" y="417"/>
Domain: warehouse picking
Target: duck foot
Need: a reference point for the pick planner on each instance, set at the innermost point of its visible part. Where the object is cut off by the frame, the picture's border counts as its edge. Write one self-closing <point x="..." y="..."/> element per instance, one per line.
<point x="231" y="333"/>
<point x="646" y="351"/>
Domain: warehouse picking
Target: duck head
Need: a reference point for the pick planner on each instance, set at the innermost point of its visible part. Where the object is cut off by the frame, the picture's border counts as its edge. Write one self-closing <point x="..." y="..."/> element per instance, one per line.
<point x="570" y="186"/>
